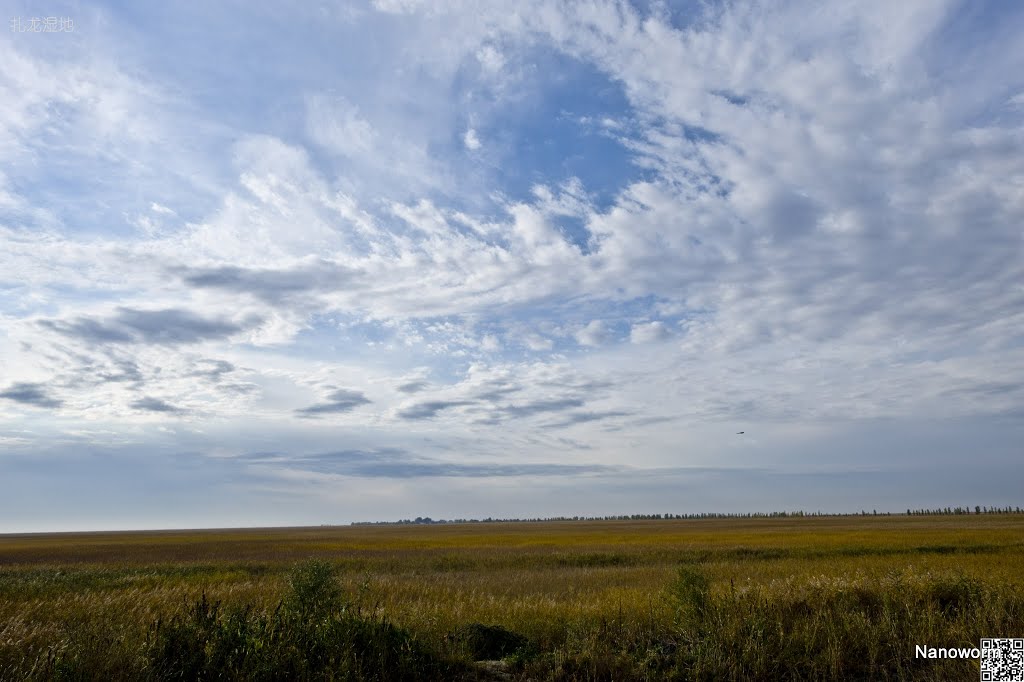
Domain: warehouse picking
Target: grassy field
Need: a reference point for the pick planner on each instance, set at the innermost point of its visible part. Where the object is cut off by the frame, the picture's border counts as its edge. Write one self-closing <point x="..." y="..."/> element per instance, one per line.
<point x="794" y="598"/>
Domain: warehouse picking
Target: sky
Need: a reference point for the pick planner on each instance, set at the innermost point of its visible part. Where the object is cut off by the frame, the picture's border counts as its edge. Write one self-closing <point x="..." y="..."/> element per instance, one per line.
<point x="268" y="265"/>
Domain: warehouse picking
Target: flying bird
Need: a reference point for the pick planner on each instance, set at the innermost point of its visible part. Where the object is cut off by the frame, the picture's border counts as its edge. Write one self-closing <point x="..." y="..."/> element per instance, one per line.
<point x="738" y="433"/>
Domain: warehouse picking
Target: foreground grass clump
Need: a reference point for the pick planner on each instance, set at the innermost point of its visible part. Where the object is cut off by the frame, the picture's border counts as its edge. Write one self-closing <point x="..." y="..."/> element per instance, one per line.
<point x="818" y="629"/>
<point x="837" y="628"/>
<point x="313" y="634"/>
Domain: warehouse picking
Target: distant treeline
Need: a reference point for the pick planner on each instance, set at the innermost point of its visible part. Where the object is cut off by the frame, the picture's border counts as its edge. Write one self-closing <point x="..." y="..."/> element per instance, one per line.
<point x="965" y="510"/>
<point x="941" y="511"/>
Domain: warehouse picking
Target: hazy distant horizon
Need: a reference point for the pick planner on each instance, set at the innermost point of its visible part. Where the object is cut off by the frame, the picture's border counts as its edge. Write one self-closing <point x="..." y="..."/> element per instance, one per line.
<point x="269" y="266"/>
<point x="622" y="518"/>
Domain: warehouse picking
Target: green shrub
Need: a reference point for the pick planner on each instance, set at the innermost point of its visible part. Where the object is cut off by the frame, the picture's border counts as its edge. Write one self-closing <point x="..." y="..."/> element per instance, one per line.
<point x="690" y="592"/>
<point x="314" y="590"/>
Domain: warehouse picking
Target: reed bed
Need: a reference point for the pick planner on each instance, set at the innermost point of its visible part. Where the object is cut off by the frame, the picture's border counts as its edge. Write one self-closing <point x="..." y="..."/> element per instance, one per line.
<point x="795" y="598"/>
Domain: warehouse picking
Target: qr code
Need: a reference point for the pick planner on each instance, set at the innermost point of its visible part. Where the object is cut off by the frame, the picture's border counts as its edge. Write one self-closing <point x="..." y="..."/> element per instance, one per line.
<point x="1002" y="660"/>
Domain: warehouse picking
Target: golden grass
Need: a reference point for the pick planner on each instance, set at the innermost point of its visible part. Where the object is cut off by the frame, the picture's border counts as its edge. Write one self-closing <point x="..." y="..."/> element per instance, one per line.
<point x="540" y="579"/>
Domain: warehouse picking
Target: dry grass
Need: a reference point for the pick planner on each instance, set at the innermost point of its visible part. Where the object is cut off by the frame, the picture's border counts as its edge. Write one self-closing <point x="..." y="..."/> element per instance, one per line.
<point x="557" y="583"/>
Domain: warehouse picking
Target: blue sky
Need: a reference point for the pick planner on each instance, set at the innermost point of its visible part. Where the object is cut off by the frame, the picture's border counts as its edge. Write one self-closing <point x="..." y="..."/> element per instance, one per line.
<point x="262" y="265"/>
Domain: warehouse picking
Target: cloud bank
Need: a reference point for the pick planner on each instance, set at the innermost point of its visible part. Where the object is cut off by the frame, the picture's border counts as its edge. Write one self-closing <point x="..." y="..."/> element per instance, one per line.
<point x="558" y="246"/>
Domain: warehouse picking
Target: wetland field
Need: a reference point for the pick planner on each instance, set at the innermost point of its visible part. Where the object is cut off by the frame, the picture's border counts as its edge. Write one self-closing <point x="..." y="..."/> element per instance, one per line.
<point x="704" y="599"/>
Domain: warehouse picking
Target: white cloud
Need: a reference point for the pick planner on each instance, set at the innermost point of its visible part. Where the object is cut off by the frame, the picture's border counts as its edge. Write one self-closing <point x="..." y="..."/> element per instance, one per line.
<point x="471" y="140"/>
<point x="536" y="342"/>
<point x="160" y="208"/>
<point x="645" y="332"/>
<point x="399" y="6"/>
<point x="596" y="333"/>
<point x="381" y="147"/>
<point x="490" y="58"/>
<point x="337" y="125"/>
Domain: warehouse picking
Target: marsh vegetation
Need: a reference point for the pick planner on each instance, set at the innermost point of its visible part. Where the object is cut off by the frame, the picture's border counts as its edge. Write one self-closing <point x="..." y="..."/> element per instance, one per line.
<point x="793" y="598"/>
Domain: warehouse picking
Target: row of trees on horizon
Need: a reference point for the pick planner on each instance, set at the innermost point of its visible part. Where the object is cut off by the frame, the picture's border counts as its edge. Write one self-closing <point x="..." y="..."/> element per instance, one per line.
<point x="940" y="511"/>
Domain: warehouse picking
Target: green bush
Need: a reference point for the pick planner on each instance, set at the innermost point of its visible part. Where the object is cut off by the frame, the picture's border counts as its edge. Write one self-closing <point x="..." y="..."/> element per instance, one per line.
<point x="314" y="590"/>
<point x="690" y="592"/>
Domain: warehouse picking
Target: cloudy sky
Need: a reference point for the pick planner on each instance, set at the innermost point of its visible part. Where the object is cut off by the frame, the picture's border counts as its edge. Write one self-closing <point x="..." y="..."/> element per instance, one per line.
<point x="269" y="265"/>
